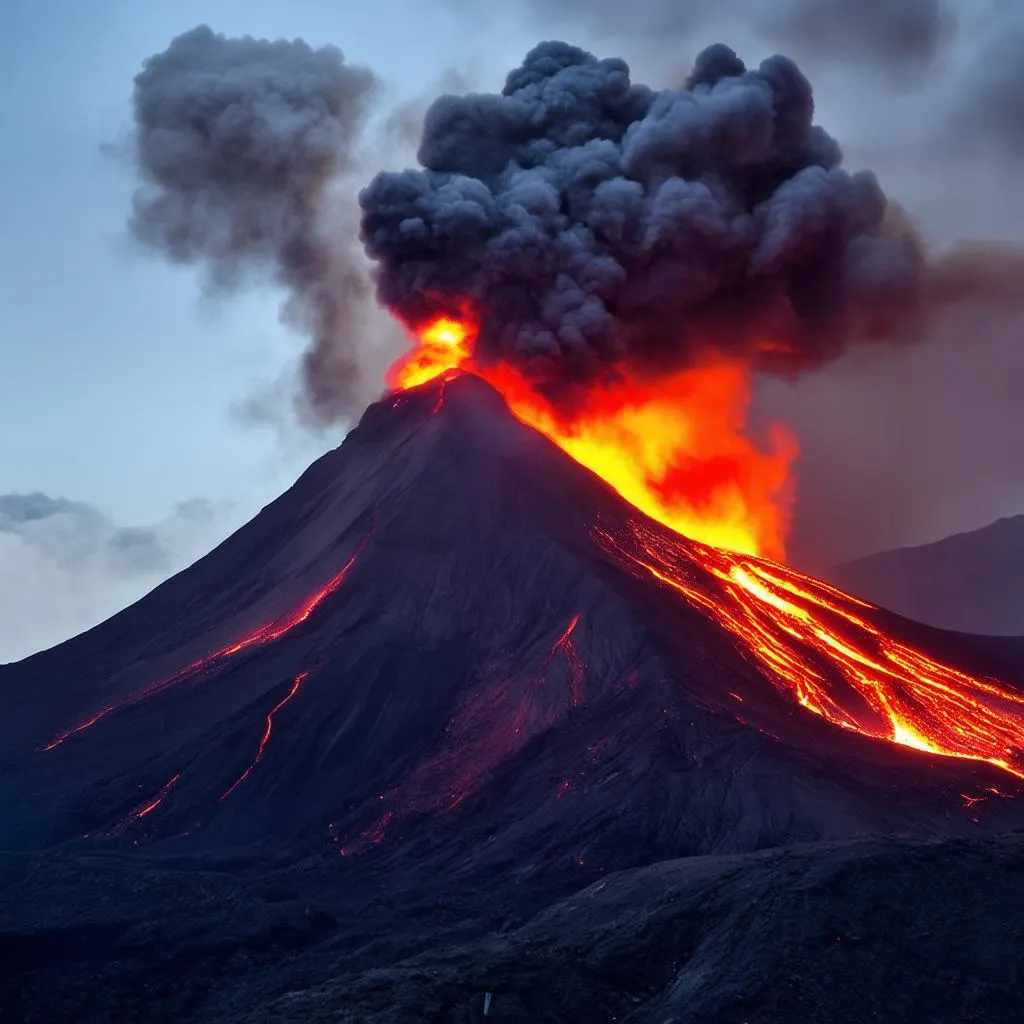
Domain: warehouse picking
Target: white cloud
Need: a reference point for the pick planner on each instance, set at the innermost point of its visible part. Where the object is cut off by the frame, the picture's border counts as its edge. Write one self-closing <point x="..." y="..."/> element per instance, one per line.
<point x="65" y="566"/>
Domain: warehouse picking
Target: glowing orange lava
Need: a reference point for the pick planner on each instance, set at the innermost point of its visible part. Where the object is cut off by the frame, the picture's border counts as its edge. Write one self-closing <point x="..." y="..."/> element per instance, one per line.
<point x="443" y="344"/>
<point x="136" y="814"/>
<point x="821" y="647"/>
<point x="268" y="728"/>
<point x="674" y="448"/>
<point x="260" y="636"/>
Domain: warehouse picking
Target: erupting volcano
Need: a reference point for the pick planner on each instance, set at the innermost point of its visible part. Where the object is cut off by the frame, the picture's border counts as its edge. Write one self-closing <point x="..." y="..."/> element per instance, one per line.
<point x="817" y="645"/>
<point x="449" y="608"/>
<point x="618" y="264"/>
<point x="674" y="447"/>
<point x="453" y="660"/>
<point x="542" y="580"/>
<point x="528" y="632"/>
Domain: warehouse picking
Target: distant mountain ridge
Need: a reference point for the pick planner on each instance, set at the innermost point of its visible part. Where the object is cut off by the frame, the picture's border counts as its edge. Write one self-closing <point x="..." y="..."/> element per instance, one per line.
<point x="972" y="582"/>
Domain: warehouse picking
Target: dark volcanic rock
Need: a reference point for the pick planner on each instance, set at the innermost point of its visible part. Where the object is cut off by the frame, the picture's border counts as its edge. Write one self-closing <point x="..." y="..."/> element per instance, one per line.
<point x="411" y="705"/>
<point x="861" y="931"/>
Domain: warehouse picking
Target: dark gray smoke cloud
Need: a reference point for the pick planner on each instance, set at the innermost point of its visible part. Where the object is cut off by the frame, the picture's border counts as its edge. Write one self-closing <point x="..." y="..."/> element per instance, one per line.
<point x="239" y="143"/>
<point x="897" y="35"/>
<point x="593" y="222"/>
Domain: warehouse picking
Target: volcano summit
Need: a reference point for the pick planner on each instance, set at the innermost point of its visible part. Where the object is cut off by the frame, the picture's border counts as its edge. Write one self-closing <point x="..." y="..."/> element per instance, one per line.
<point x="452" y="660"/>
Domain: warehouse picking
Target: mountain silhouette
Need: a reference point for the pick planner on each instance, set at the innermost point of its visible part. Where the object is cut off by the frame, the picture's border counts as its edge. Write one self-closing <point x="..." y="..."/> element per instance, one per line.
<point x="422" y="635"/>
<point x="425" y="693"/>
<point x="973" y="582"/>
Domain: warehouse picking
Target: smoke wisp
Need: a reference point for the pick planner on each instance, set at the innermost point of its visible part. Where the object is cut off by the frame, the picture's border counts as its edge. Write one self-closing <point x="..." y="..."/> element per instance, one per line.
<point x="240" y="144"/>
<point x="895" y="37"/>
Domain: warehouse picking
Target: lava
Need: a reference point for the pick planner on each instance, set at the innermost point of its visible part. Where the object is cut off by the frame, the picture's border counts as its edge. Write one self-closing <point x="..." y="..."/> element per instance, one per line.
<point x="674" y="446"/>
<point x="564" y="645"/>
<point x="575" y="667"/>
<point x="142" y="810"/>
<point x="265" y="738"/>
<point x="821" y="648"/>
<point x="497" y="720"/>
<point x="260" y="636"/>
<point x="444" y="344"/>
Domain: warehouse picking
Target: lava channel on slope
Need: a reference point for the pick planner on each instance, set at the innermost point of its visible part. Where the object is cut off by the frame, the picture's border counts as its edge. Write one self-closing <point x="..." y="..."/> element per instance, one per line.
<point x="506" y="710"/>
<point x="268" y="728"/>
<point x="821" y="647"/>
<point x="139" y="812"/>
<point x="675" y="449"/>
<point x="261" y="636"/>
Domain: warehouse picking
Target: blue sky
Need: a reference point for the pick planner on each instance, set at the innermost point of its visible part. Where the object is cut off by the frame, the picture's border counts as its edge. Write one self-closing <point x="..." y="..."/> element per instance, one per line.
<point x="118" y="380"/>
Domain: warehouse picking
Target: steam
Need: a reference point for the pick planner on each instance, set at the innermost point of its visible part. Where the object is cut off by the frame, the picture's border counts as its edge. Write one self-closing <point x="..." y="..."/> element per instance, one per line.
<point x="241" y="144"/>
<point x="593" y="222"/>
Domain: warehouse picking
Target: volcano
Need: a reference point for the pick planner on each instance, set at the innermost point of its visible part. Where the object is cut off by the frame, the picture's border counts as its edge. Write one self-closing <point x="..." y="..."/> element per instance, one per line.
<point x="450" y="659"/>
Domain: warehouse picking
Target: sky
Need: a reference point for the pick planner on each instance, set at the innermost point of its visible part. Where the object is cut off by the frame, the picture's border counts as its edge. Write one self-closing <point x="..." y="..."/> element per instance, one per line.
<point x="125" y="448"/>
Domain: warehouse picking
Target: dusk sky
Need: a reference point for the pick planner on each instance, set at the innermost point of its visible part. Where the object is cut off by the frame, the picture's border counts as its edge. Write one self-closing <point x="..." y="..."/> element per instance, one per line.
<point x="122" y="386"/>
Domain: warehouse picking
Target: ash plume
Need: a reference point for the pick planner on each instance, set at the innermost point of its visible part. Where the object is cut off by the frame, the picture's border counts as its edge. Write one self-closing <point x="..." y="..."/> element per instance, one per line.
<point x="593" y="222"/>
<point x="239" y="143"/>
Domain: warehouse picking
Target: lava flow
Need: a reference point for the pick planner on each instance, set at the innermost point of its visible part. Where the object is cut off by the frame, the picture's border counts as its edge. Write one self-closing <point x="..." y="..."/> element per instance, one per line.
<point x="265" y="738"/>
<point x="673" y="447"/>
<point x="819" y="646"/>
<point x="565" y="645"/>
<point x="497" y="720"/>
<point x="136" y="814"/>
<point x="262" y="635"/>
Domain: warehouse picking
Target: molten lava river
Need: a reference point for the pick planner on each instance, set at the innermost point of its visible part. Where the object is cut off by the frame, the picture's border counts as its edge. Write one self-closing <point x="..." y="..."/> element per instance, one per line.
<point x="675" y="449"/>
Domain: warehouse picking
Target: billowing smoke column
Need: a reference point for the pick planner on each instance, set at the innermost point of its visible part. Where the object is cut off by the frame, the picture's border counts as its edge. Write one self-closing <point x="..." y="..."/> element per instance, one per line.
<point x="596" y="225"/>
<point x="239" y="142"/>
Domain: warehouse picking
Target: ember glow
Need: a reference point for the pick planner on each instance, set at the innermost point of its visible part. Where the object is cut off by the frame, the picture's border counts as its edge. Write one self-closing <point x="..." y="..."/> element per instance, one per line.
<point x="138" y="813"/>
<point x="576" y="668"/>
<point x="260" y="636"/>
<point x="674" y="447"/>
<point x="497" y="720"/>
<point x="268" y="728"/>
<point x="821" y="647"/>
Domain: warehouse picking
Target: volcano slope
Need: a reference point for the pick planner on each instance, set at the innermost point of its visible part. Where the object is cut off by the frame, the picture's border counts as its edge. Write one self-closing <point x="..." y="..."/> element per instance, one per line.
<point x="430" y="690"/>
